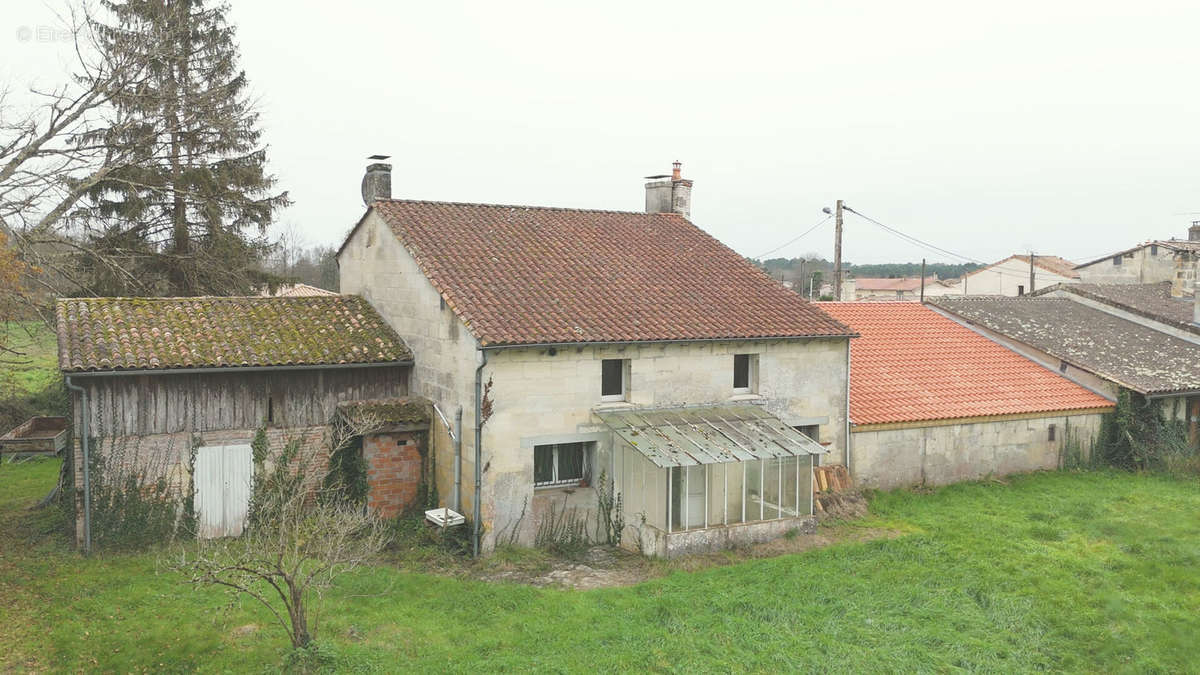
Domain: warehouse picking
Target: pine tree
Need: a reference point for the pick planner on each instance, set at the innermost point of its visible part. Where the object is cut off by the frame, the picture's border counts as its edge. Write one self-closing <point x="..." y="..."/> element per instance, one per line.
<point x="191" y="214"/>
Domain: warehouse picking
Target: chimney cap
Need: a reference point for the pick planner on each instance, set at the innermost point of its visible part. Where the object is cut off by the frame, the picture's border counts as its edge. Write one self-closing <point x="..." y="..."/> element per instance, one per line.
<point x="379" y="158"/>
<point x="661" y="175"/>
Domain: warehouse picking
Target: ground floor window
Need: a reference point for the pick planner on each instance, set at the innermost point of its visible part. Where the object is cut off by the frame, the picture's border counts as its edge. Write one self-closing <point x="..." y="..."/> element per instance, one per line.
<point x="560" y="464"/>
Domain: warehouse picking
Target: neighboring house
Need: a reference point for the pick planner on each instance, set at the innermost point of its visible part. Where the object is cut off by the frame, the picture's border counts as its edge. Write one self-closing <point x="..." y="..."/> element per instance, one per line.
<point x="905" y="288"/>
<point x="1154" y="305"/>
<point x="294" y="291"/>
<point x="1147" y="263"/>
<point x="622" y="349"/>
<point x="176" y="388"/>
<point x="1090" y="346"/>
<point x="1010" y="277"/>
<point x="933" y="402"/>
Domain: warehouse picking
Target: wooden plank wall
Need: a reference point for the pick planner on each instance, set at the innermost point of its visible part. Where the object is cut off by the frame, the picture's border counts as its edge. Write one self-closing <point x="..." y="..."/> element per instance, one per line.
<point x="157" y="404"/>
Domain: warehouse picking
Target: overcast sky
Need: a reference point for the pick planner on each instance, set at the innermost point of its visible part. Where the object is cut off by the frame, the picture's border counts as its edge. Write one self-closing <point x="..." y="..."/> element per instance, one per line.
<point x="985" y="129"/>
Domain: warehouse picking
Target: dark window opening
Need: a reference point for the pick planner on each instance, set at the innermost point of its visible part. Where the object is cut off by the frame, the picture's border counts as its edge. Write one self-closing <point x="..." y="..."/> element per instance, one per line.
<point x="741" y="371"/>
<point x="1117" y="260"/>
<point x="270" y="410"/>
<point x="559" y="464"/>
<point x="1062" y="366"/>
<point x="612" y="377"/>
<point x="1052" y="432"/>
<point x="1020" y="289"/>
<point x="813" y="431"/>
<point x="1153" y="249"/>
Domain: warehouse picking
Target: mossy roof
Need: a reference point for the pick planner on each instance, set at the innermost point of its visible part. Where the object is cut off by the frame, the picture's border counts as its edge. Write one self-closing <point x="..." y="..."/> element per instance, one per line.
<point x="402" y="410"/>
<point x="111" y="334"/>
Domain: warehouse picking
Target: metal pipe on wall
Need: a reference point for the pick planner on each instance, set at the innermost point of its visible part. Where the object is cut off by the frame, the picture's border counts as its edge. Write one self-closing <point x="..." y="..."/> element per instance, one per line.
<point x="458" y="459"/>
<point x="478" y="452"/>
<point x="87" y="478"/>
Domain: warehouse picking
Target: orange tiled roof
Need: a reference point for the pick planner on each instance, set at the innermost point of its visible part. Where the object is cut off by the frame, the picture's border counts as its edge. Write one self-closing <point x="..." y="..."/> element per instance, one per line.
<point x="912" y="364"/>
<point x="530" y="275"/>
<point x="102" y="334"/>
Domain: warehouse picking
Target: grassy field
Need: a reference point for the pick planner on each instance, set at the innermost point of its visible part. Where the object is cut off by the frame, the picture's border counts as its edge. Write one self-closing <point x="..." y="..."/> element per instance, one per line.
<point x="29" y="382"/>
<point x="1077" y="572"/>
<point x="37" y="366"/>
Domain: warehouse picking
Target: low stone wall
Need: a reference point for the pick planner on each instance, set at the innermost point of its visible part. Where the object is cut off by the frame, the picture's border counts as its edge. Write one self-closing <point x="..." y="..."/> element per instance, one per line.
<point x="655" y="542"/>
<point x="941" y="454"/>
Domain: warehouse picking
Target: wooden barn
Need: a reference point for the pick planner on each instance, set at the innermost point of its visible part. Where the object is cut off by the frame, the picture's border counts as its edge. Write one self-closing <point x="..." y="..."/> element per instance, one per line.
<point x="173" y="390"/>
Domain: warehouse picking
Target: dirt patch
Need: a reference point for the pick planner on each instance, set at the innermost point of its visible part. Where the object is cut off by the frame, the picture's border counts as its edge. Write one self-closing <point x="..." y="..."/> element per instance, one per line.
<point x="603" y="567"/>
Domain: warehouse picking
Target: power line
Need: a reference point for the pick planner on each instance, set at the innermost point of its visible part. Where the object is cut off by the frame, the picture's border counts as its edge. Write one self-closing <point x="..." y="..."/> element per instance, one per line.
<point x="798" y="237"/>
<point x="937" y="249"/>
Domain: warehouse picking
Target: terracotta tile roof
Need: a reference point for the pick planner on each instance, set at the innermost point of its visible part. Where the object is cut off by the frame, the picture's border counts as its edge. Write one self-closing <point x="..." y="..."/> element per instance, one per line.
<point x="295" y="291"/>
<point x="1051" y="263"/>
<point x="912" y="364"/>
<point x="1126" y="353"/>
<point x="902" y="284"/>
<point x="530" y="275"/>
<point x="100" y="334"/>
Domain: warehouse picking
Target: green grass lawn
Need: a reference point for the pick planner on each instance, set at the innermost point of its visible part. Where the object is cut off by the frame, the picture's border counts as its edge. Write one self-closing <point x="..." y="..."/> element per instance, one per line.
<point x="1064" y="571"/>
<point x="37" y="364"/>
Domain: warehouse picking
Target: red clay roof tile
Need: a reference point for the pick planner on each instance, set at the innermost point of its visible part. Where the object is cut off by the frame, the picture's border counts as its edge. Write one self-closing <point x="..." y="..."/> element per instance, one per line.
<point x="912" y="364"/>
<point x="534" y="275"/>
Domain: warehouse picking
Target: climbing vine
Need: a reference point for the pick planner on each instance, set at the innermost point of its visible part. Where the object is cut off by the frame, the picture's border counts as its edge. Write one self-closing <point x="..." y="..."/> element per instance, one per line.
<point x="1140" y="436"/>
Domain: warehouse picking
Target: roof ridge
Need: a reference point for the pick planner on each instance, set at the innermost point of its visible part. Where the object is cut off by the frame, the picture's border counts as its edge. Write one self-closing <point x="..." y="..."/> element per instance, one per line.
<point x="176" y="298"/>
<point x="523" y="206"/>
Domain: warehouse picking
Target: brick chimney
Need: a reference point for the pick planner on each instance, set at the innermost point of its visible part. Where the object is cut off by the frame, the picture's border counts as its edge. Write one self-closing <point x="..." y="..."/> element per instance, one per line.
<point x="1194" y="231"/>
<point x="377" y="182"/>
<point x="670" y="194"/>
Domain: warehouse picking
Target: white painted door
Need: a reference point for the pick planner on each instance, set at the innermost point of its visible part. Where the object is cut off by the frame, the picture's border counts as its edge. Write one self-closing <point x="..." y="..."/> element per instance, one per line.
<point x="222" y="480"/>
<point x="695" y="496"/>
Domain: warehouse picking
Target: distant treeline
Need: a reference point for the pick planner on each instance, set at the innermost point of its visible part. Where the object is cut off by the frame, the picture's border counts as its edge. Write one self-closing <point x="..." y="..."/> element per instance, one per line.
<point x="791" y="269"/>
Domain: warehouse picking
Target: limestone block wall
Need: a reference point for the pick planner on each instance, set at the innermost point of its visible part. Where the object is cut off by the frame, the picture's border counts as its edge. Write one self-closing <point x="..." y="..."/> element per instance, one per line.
<point x="542" y="398"/>
<point x="938" y="455"/>
<point x="375" y="265"/>
<point x="1140" y="268"/>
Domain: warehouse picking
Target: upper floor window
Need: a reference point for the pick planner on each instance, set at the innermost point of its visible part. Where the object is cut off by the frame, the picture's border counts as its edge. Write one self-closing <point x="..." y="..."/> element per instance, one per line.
<point x="614" y="379"/>
<point x="745" y="373"/>
<point x="1153" y="249"/>
<point x="1020" y="289"/>
<point x="1116" y="260"/>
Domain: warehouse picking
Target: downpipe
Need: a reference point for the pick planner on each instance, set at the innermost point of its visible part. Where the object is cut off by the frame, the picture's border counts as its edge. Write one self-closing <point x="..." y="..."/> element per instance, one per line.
<point x="478" y="451"/>
<point x="87" y="478"/>
<point x="458" y="459"/>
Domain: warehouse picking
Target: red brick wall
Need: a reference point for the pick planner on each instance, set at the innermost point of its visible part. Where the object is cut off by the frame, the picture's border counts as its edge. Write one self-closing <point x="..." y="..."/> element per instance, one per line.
<point x="393" y="471"/>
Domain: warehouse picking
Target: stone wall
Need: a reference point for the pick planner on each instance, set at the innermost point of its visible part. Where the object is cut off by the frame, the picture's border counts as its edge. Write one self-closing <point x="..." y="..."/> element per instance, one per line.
<point x="395" y="461"/>
<point x="1139" y="267"/>
<point x="541" y="397"/>
<point x="938" y="455"/>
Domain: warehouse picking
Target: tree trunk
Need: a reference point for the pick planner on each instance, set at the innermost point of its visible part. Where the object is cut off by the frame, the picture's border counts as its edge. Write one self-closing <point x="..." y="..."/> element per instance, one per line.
<point x="298" y="615"/>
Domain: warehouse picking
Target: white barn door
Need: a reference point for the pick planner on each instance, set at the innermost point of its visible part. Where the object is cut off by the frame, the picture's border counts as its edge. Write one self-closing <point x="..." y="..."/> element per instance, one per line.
<point x="222" y="480"/>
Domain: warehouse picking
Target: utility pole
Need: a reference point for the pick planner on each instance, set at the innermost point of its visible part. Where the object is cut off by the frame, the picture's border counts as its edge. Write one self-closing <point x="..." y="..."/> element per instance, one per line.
<point x="1031" y="289"/>
<point x="800" y="279"/>
<point x="837" y="253"/>
<point x="922" y="281"/>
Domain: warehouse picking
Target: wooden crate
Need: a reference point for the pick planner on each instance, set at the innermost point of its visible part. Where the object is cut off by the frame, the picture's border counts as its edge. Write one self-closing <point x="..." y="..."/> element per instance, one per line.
<point x="831" y="478"/>
<point x="36" y="436"/>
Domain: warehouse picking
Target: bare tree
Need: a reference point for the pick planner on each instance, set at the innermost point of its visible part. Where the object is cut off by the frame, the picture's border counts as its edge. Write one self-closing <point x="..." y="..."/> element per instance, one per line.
<point x="302" y="534"/>
<point x="60" y="146"/>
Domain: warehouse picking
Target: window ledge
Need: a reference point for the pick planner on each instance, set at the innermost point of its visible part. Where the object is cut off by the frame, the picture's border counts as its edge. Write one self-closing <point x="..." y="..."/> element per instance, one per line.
<point x="746" y="397"/>
<point x="613" y="405"/>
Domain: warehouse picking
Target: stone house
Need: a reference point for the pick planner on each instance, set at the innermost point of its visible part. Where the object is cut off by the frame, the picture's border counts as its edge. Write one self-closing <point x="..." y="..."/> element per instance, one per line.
<point x="1147" y="263"/>
<point x="933" y="402"/>
<point x="1010" y="277"/>
<point x="176" y="388"/>
<point x="875" y="289"/>
<point x="594" y="350"/>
